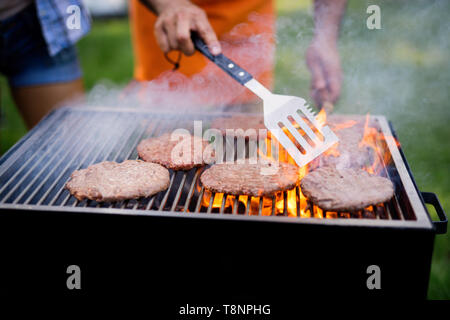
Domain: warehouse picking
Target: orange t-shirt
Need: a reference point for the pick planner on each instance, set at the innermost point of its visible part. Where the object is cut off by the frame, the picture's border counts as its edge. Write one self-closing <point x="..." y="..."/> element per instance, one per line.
<point x="246" y="31"/>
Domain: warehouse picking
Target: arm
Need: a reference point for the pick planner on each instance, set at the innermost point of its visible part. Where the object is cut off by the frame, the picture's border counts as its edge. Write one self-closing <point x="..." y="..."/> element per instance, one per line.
<point x="176" y="20"/>
<point x="322" y="55"/>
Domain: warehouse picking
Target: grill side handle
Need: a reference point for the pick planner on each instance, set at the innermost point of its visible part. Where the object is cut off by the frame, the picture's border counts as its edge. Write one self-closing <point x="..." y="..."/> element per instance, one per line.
<point x="439" y="226"/>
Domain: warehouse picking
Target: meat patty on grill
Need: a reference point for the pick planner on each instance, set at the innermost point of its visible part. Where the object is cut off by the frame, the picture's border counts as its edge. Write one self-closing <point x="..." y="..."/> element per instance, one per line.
<point x="178" y="154"/>
<point x="240" y="124"/>
<point x="335" y="189"/>
<point x="112" y="181"/>
<point x="250" y="178"/>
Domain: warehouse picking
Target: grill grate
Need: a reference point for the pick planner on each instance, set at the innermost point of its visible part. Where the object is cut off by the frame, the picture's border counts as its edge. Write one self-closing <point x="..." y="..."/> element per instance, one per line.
<point x="74" y="138"/>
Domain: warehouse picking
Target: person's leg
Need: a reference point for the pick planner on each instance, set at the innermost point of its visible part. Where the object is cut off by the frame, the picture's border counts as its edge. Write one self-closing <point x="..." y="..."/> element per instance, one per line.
<point x="38" y="81"/>
<point x="34" y="102"/>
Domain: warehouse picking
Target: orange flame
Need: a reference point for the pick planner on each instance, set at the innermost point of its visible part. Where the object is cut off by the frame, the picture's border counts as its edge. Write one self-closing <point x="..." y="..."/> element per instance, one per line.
<point x="296" y="203"/>
<point x="322" y="118"/>
<point x="375" y="140"/>
<point x="369" y="141"/>
<point x="344" y="125"/>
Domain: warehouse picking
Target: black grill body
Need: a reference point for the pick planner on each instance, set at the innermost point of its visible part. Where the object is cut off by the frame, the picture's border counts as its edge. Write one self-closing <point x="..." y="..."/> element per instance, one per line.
<point x="152" y="246"/>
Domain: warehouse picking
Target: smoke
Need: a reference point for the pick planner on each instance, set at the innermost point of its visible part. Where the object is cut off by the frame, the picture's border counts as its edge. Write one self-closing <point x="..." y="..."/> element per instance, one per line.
<point x="383" y="69"/>
<point x="209" y="90"/>
<point x="400" y="71"/>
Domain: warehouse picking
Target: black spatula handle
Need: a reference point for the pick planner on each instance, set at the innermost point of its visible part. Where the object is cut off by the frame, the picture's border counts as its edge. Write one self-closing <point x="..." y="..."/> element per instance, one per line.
<point x="227" y="65"/>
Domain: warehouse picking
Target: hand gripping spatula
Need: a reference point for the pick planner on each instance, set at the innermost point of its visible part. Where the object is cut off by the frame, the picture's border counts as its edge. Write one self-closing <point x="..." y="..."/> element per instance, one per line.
<point x="285" y="117"/>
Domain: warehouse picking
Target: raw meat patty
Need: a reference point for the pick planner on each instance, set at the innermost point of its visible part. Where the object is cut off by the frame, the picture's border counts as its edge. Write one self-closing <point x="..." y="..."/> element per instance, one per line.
<point x="242" y="122"/>
<point x="171" y="155"/>
<point x="112" y="181"/>
<point x="345" y="189"/>
<point x="258" y="179"/>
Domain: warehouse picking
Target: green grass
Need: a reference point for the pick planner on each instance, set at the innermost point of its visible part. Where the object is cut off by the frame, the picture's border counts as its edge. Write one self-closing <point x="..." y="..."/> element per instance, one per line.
<point x="106" y="54"/>
<point x="401" y="71"/>
<point x="12" y="128"/>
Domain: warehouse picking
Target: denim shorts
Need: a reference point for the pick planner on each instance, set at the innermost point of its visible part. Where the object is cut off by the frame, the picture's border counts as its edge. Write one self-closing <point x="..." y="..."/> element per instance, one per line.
<point x="24" y="58"/>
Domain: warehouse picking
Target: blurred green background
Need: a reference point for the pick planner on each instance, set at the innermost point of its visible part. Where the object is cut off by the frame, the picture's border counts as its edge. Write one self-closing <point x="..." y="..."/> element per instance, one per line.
<point x="401" y="71"/>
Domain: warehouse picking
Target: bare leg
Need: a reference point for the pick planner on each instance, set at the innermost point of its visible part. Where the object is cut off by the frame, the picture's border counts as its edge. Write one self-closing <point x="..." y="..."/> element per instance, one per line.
<point x="34" y="102"/>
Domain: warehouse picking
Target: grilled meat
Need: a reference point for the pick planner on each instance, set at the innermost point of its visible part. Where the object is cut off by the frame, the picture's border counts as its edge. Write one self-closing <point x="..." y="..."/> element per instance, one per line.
<point x="111" y="181"/>
<point x="178" y="153"/>
<point x="250" y="178"/>
<point x="335" y="189"/>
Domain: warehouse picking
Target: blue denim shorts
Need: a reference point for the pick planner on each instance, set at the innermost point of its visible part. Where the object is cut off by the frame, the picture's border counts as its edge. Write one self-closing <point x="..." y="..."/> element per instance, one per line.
<point x="24" y="58"/>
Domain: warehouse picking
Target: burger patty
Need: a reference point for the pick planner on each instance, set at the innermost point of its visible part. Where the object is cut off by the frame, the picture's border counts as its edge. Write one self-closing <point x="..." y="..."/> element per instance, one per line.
<point x="178" y="154"/>
<point x="239" y="125"/>
<point x="258" y="179"/>
<point x="345" y="189"/>
<point x="112" y="181"/>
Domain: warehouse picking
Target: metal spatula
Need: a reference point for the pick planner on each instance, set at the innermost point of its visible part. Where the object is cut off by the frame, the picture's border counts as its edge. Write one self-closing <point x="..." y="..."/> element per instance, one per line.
<point x="286" y="117"/>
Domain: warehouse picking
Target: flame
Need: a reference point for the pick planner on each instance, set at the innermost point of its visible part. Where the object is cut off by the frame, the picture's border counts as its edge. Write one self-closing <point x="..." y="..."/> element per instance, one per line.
<point x="267" y="207"/>
<point x="321" y="118"/>
<point x="217" y="202"/>
<point x="345" y="215"/>
<point x="369" y="141"/>
<point x="344" y="125"/>
<point x="331" y="215"/>
<point x="375" y="140"/>
<point x="279" y="203"/>
<point x="293" y="203"/>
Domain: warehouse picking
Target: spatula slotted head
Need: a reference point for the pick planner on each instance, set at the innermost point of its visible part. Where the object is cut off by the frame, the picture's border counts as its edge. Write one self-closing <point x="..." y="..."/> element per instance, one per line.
<point x="295" y="126"/>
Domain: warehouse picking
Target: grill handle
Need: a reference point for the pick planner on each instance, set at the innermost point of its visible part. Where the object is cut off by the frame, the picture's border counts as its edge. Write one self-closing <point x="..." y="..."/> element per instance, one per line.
<point x="224" y="63"/>
<point x="432" y="199"/>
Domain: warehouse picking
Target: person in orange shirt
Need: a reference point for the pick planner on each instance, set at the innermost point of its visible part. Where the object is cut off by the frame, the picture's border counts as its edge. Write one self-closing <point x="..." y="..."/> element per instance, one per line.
<point x="246" y="30"/>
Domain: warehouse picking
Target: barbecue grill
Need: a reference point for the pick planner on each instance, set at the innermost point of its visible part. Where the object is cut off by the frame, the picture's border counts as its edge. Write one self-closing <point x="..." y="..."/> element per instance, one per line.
<point x="250" y="246"/>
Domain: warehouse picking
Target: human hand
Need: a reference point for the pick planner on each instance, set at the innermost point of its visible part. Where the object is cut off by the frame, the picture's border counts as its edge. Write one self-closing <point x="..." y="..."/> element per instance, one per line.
<point x="322" y="58"/>
<point x="176" y="20"/>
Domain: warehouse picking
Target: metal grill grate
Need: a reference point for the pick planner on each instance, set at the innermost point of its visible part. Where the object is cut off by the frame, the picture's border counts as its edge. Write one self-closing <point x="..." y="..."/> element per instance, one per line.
<point x="34" y="172"/>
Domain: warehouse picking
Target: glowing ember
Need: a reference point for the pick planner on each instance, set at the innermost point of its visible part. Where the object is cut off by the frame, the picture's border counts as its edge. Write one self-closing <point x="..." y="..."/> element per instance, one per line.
<point x="331" y="215"/>
<point x="217" y="202"/>
<point x="279" y="203"/>
<point x="267" y="207"/>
